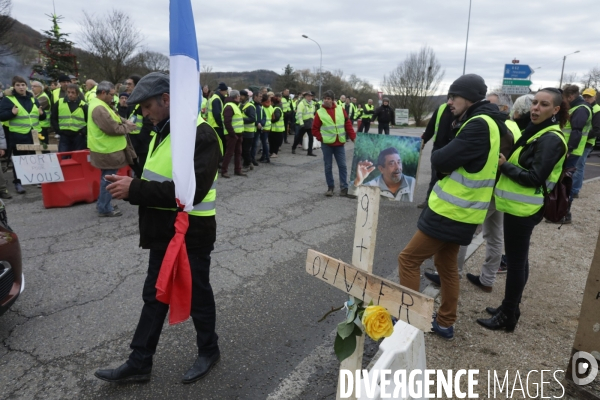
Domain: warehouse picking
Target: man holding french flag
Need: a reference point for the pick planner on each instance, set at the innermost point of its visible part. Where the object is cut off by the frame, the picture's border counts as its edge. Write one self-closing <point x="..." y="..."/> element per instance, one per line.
<point x="176" y="196"/>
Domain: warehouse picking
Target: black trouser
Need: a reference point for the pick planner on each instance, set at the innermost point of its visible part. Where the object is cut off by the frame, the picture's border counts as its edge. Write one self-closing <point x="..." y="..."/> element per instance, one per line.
<point x="517" y="234"/>
<point x="289" y="123"/>
<point x="300" y="136"/>
<point x="222" y="136"/>
<point x="153" y="315"/>
<point x="246" y="147"/>
<point x="365" y="125"/>
<point x="72" y="141"/>
<point x="275" y="140"/>
<point x="383" y="127"/>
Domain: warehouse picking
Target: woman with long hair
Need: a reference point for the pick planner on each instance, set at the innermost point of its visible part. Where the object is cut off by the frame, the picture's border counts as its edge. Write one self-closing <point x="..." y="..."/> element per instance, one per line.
<point x="536" y="161"/>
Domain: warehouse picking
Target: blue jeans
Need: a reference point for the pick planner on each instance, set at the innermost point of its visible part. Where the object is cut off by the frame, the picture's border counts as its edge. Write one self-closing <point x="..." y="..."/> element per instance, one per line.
<point x="264" y="138"/>
<point x="71" y="143"/>
<point x="103" y="205"/>
<point x="570" y="162"/>
<point x="339" y="152"/>
<point x="578" y="175"/>
<point x="255" y="144"/>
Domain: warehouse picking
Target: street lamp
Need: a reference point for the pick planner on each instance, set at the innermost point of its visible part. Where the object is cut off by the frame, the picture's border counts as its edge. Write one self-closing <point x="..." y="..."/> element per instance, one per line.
<point x="563" y="68"/>
<point x="320" y="64"/>
<point x="467" y="43"/>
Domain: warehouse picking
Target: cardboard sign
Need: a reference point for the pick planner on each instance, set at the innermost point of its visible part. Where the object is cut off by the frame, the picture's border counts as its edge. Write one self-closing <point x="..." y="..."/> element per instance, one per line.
<point x="38" y="168"/>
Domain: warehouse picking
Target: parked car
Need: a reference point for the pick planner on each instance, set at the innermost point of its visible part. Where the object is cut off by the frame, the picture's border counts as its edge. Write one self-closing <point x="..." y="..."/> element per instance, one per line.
<point x="12" y="281"/>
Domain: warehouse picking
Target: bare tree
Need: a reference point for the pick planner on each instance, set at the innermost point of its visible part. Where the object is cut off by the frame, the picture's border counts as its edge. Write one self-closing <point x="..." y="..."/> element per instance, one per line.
<point x="570" y="79"/>
<point x="113" y="40"/>
<point x="6" y="24"/>
<point x="413" y="82"/>
<point x="154" y="61"/>
<point x="207" y="77"/>
<point x="592" y="78"/>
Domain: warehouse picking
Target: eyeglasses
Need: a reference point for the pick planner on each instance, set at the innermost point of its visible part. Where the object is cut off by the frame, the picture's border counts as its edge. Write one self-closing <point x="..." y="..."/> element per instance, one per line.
<point x="452" y="97"/>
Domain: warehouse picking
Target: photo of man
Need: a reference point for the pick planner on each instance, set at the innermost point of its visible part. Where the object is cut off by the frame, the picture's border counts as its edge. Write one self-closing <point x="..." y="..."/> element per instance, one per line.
<point x="392" y="182"/>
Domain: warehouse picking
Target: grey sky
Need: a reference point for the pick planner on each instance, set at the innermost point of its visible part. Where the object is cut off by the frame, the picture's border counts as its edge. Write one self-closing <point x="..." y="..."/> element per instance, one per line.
<point x="366" y="38"/>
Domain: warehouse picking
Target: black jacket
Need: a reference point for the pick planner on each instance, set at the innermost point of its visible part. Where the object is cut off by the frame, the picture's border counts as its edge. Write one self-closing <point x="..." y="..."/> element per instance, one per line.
<point x="578" y="120"/>
<point x="384" y="114"/>
<point x="595" y="132"/>
<point x="444" y="130"/>
<point x="537" y="159"/>
<point x="156" y="226"/>
<point x="73" y="105"/>
<point x="469" y="150"/>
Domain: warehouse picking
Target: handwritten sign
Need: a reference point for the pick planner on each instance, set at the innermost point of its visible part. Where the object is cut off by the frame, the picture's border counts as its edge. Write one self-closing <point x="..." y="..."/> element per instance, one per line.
<point x="408" y="305"/>
<point x="365" y="230"/>
<point x="38" y="168"/>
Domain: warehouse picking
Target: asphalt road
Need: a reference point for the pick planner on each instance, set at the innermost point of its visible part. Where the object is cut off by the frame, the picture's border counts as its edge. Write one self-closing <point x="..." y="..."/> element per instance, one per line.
<point x="84" y="278"/>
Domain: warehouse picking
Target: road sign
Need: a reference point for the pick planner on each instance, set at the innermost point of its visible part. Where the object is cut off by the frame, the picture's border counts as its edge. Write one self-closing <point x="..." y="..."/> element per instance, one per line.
<point x="515" y="89"/>
<point x="516" y="82"/>
<point x="518" y="71"/>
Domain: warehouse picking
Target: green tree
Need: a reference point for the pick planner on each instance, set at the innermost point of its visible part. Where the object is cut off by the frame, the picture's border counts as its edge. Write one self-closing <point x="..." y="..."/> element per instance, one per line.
<point x="56" y="52"/>
<point x="289" y="80"/>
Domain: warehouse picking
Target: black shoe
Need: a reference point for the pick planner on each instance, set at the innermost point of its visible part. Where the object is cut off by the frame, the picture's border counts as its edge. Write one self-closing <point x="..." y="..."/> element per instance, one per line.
<point x="499" y="321"/>
<point x="343" y="192"/>
<point x="474" y="279"/>
<point x="264" y="161"/>
<point x="433" y="278"/>
<point x="494" y="311"/>
<point x="19" y="188"/>
<point x="422" y="205"/>
<point x="124" y="373"/>
<point x="311" y="154"/>
<point x="293" y="151"/>
<point x="575" y="195"/>
<point x="201" y="368"/>
<point x="254" y="163"/>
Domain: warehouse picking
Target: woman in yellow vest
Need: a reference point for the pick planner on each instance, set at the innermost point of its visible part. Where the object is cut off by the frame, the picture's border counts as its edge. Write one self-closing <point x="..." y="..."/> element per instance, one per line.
<point x="534" y="166"/>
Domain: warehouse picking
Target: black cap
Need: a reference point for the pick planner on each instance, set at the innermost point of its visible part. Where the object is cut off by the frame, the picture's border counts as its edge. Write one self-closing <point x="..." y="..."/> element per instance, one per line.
<point x="244" y="92"/>
<point x="470" y="86"/>
<point x="222" y="86"/>
<point x="64" y="78"/>
<point x="151" y="85"/>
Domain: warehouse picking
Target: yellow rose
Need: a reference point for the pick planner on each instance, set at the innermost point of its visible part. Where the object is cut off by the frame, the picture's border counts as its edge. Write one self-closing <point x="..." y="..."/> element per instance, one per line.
<point x="377" y="322"/>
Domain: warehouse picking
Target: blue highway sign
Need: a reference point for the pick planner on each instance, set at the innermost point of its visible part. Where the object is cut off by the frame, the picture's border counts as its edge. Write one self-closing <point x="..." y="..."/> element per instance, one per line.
<point x="517" y="71"/>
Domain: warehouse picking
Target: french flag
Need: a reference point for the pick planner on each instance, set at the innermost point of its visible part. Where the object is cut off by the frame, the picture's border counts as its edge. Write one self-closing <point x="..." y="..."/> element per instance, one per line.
<point x="174" y="283"/>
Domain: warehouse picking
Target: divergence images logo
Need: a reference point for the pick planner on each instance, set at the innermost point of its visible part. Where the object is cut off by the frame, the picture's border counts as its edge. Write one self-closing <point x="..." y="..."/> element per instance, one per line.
<point x="584" y="363"/>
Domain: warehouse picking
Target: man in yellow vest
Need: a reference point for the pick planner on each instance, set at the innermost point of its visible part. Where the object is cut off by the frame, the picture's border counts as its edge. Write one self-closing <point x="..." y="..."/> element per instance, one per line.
<point x="38" y="91"/>
<point x="367" y="114"/>
<point x="459" y="201"/>
<point x="333" y="128"/>
<point x="22" y="112"/>
<point x="90" y="90"/>
<point x="154" y="193"/>
<point x="69" y="120"/>
<point x="288" y="114"/>
<point x="61" y="91"/>
<point x="305" y="114"/>
<point x="107" y="139"/>
<point x="215" y="111"/>
<point x="589" y="95"/>
<point x="141" y="135"/>
<point x="233" y="120"/>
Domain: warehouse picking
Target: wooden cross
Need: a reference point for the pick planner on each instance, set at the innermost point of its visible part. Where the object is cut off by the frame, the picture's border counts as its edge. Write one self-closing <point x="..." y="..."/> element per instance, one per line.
<point x="358" y="280"/>
<point x="36" y="146"/>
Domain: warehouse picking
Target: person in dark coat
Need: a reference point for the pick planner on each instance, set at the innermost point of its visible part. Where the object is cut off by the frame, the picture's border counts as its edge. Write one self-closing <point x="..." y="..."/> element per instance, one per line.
<point x="385" y="116"/>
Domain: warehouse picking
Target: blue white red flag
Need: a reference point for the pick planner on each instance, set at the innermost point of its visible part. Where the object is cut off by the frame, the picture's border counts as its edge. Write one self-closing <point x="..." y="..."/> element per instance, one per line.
<point x="174" y="283"/>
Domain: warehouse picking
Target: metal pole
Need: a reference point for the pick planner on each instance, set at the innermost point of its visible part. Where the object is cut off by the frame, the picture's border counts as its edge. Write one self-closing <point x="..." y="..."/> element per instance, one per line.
<point x="467" y="42"/>
<point x="562" y="72"/>
<point x="320" y="64"/>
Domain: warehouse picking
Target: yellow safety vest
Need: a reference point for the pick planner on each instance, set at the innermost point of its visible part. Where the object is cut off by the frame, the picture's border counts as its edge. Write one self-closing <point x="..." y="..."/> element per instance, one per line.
<point x="24" y="121"/>
<point x="56" y="95"/>
<point x="90" y="94"/>
<point x="285" y="105"/>
<point x="584" y="132"/>
<point x="46" y="123"/>
<point x="211" y="119"/>
<point x="305" y="111"/>
<point x="514" y="128"/>
<point x="278" y="126"/>
<point x="98" y="141"/>
<point x="251" y="126"/>
<point x="159" y="168"/>
<point x="203" y="106"/>
<point x="438" y="117"/>
<point x="595" y="110"/>
<point x="68" y="121"/>
<point x="268" y="114"/>
<point x="330" y="129"/>
<point x="523" y="201"/>
<point x="463" y="196"/>
<point x="237" y="121"/>
<point x="138" y="120"/>
<point x="368" y="108"/>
